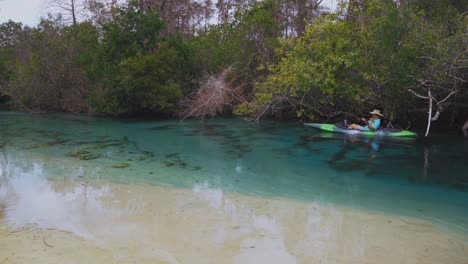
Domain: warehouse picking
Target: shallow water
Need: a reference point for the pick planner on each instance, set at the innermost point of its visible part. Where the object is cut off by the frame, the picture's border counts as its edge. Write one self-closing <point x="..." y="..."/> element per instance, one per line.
<point x="72" y="173"/>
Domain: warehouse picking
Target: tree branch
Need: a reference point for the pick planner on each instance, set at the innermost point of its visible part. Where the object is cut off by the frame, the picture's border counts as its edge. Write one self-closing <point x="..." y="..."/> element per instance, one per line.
<point x="418" y="95"/>
<point x="448" y="96"/>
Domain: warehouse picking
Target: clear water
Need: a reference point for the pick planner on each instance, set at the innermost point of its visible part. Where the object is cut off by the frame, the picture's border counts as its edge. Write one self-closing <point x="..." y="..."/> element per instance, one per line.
<point x="427" y="180"/>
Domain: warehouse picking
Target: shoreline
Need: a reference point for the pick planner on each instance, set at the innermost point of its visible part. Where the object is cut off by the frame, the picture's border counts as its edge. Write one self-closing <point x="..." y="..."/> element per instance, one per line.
<point x="437" y="129"/>
<point x="144" y="223"/>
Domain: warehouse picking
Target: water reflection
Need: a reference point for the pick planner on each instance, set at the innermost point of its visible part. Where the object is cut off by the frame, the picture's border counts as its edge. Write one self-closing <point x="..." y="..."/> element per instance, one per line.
<point x="370" y="147"/>
<point x="114" y="215"/>
<point x="32" y="200"/>
<point x="173" y="225"/>
<point x="465" y="129"/>
<point x="354" y="152"/>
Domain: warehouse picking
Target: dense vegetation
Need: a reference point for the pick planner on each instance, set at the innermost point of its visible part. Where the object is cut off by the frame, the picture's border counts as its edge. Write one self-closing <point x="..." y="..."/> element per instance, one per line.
<point x="276" y="58"/>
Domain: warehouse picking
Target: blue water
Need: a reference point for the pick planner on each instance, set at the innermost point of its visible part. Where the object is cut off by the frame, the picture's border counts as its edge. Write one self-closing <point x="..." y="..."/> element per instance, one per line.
<point x="418" y="178"/>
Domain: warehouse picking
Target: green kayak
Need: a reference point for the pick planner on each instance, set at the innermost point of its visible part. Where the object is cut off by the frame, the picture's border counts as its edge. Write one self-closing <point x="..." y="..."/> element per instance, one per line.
<point x="340" y="128"/>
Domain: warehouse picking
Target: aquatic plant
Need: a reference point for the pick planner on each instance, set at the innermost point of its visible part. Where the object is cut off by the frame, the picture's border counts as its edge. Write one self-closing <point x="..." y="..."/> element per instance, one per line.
<point x="77" y="153"/>
<point x="101" y="146"/>
<point x="165" y="127"/>
<point x="120" y="165"/>
<point x="47" y="144"/>
<point x="32" y="146"/>
<point x="96" y="142"/>
<point x="168" y="163"/>
<point x="172" y="155"/>
<point x="148" y="153"/>
<point x="89" y="157"/>
<point x="55" y="142"/>
<point x="145" y="155"/>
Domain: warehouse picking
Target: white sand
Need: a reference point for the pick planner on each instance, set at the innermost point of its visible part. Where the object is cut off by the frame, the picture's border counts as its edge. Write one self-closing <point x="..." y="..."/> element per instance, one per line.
<point x="78" y="222"/>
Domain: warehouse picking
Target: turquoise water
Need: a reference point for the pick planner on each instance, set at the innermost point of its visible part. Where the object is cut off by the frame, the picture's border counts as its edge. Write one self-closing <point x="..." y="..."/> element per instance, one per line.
<point x="423" y="179"/>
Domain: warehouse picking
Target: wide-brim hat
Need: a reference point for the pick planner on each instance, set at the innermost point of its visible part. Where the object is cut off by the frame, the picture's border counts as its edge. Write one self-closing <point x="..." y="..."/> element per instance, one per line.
<point x="376" y="112"/>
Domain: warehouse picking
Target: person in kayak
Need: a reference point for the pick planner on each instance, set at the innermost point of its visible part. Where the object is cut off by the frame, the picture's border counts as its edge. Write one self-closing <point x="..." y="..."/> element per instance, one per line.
<point x="371" y="125"/>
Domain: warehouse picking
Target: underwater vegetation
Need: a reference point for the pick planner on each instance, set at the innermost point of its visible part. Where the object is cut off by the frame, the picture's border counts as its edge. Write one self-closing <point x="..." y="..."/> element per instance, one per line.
<point x="89" y="148"/>
<point x="48" y="144"/>
<point x="120" y="165"/>
<point x="233" y="144"/>
<point x="168" y="163"/>
<point x="89" y="156"/>
<point x="164" y="127"/>
<point x="77" y="153"/>
<point x="103" y="146"/>
<point x="174" y="159"/>
<point x="172" y="155"/>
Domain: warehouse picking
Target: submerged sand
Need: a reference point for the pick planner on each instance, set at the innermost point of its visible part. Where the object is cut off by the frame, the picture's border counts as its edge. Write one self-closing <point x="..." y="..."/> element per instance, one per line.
<point x="92" y="222"/>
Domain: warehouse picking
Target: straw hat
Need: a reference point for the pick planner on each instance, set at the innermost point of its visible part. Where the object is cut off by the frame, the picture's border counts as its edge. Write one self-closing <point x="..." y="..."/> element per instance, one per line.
<point x="376" y="112"/>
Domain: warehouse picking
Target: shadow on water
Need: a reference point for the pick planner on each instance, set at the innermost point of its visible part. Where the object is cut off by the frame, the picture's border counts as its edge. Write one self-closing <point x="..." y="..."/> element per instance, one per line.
<point x="415" y="161"/>
<point x="432" y="162"/>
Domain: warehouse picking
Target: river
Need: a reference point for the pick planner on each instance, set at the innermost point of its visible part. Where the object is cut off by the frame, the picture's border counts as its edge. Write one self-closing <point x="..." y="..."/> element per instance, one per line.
<point x="79" y="189"/>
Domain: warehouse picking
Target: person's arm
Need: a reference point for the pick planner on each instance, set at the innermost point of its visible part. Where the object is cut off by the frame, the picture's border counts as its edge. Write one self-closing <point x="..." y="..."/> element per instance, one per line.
<point x="371" y="128"/>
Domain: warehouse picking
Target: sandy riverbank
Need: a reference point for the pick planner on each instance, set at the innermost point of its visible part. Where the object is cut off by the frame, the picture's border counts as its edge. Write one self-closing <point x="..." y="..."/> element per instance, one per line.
<point x="79" y="222"/>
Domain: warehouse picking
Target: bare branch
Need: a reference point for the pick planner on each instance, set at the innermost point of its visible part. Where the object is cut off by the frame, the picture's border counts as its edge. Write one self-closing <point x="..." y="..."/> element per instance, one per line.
<point x="448" y="96"/>
<point x="72" y="8"/>
<point x="214" y="95"/>
<point x="418" y="95"/>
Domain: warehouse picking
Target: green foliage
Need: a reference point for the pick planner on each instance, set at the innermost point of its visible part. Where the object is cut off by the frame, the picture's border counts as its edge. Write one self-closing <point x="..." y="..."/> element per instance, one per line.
<point x="349" y="65"/>
<point x="85" y="38"/>
<point x="147" y="81"/>
<point x="244" y="110"/>
<point x="132" y="31"/>
<point x="10" y="34"/>
<point x="48" y="66"/>
<point x="388" y="56"/>
<point x="320" y="70"/>
<point x="137" y="70"/>
<point x="244" y="44"/>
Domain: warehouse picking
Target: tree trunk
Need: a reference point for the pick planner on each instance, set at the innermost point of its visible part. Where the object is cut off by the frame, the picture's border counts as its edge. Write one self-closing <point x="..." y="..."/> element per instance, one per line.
<point x="429" y="118"/>
<point x="73" y="12"/>
<point x="301" y="17"/>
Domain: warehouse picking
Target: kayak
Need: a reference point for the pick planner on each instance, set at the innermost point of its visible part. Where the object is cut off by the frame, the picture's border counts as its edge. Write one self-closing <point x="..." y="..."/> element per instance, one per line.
<point x="341" y="128"/>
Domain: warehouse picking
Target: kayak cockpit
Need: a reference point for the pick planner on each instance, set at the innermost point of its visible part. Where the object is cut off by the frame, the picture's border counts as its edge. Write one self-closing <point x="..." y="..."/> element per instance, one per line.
<point x="343" y="126"/>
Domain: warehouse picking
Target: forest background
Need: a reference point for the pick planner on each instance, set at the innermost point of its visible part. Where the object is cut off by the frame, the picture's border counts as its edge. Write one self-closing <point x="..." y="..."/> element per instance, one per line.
<point x="282" y="59"/>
